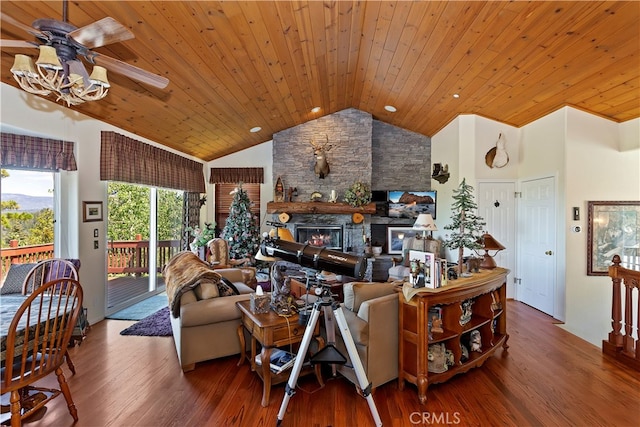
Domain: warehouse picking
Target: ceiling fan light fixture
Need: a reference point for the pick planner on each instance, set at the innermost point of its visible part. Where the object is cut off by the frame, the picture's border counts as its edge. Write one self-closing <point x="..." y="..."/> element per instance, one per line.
<point x="23" y="66"/>
<point x="99" y="76"/>
<point x="48" y="59"/>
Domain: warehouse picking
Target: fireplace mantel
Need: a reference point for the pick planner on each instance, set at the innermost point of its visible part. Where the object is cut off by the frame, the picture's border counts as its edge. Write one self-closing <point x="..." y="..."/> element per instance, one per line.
<point x="318" y="208"/>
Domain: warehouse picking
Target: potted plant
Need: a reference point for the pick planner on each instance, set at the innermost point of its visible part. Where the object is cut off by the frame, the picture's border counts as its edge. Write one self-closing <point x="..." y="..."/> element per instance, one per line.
<point x="201" y="236"/>
<point x="466" y="226"/>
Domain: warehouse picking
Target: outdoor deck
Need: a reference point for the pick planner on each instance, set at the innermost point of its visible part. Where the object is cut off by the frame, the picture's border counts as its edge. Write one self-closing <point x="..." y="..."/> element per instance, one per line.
<point x="128" y="290"/>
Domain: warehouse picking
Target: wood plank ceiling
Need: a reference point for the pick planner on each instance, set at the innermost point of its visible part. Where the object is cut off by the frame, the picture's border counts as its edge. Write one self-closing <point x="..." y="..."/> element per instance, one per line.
<point x="236" y="65"/>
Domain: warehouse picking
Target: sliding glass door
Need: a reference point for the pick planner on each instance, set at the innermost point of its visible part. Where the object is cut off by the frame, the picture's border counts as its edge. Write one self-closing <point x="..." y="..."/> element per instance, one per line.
<point x="144" y="226"/>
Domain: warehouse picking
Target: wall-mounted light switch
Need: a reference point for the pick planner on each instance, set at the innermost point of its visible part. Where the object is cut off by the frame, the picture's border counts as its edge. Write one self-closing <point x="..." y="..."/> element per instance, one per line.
<point x="95" y="244"/>
<point x="576" y="213"/>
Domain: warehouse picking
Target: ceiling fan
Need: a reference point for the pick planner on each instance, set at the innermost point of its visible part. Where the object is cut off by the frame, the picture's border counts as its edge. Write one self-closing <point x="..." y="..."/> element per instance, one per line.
<point x="59" y="68"/>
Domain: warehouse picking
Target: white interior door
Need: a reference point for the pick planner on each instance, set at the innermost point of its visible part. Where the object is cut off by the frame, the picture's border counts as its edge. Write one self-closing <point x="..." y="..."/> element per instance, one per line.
<point x="537" y="244"/>
<point x="497" y="206"/>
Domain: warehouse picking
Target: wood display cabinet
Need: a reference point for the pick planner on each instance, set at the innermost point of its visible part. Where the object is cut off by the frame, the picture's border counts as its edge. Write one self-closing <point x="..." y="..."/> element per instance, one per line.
<point x="484" y="293"/>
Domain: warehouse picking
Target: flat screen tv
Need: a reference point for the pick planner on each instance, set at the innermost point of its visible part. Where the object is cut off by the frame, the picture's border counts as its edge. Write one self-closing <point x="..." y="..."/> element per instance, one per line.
<point x="409" y="204"/>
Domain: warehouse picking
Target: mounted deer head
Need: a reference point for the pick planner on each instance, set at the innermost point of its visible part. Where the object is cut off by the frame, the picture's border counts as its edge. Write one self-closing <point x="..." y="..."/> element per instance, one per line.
<point x="321" y="168"/>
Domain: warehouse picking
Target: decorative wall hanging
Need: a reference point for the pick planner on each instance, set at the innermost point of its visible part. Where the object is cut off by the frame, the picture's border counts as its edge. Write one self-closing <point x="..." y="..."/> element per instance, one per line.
<point x="497" y="157"/>
<point x="321" y="167"/>
<point x="440" y="172"/>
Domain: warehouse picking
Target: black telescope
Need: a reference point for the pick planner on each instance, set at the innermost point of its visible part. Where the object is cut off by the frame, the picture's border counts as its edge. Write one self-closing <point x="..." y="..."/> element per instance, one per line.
<point x="316" y="257"/>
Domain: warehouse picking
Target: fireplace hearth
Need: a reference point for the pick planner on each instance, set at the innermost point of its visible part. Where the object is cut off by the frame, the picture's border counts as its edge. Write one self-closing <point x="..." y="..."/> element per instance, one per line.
<point x="329" y="236"/>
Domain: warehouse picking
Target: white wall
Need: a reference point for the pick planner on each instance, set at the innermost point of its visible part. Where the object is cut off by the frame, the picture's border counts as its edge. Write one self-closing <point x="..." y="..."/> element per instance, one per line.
<point x="590" y="158"/>
<point x="542" y="156"/>
<point x="597" y="168"/>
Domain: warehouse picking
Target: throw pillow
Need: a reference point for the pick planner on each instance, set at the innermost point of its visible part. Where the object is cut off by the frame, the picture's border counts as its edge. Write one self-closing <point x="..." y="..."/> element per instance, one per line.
<point x="58" y="270"/>
<point x="15" y="278"/>
<point x="226" y="288"/>
<point x="206" y="289"/>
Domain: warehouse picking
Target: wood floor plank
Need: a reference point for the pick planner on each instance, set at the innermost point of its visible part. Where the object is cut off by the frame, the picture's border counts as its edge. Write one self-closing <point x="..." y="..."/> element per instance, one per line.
<point x="548" y="377"/>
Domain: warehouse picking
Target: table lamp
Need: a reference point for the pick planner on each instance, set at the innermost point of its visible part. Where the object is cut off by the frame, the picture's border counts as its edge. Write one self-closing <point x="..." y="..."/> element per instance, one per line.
<point x="489" y="243"/>
<point x="425" y="223"/>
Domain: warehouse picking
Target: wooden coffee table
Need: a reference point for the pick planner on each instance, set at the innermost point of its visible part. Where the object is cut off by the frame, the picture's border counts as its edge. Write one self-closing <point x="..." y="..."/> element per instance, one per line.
<point x="271" y="330"/>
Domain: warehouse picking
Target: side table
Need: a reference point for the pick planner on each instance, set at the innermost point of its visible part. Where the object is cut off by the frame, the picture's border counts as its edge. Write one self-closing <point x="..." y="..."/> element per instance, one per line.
<point x="271" y="330"/>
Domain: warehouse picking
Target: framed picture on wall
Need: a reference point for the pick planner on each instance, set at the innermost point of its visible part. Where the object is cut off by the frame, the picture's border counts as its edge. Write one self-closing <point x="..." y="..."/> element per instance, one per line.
<point x="613" y="229"/>
<point x="395" y="236"/>
<point x="91" y="211"/>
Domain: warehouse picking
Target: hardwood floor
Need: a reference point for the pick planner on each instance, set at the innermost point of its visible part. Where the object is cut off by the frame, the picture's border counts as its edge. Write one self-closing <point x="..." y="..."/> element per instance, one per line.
<point x="548" y="377"/>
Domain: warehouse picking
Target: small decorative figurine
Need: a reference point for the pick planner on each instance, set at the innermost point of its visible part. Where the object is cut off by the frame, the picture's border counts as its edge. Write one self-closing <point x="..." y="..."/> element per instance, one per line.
<point x="475" y="341"/>
<point x="466" y="312"/>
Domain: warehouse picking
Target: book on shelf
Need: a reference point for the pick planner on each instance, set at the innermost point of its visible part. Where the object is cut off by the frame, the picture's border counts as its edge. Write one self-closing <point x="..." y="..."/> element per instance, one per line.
<point x="280" y="360"/>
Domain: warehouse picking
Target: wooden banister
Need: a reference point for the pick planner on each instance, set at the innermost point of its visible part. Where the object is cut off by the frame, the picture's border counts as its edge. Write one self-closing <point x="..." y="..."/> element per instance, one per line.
<point x="621" y="343"/>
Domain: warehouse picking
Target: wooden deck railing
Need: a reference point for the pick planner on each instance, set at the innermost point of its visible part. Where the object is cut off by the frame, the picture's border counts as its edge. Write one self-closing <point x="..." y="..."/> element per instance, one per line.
<point x="621" y="343"/>
<point x="124" y="257"/>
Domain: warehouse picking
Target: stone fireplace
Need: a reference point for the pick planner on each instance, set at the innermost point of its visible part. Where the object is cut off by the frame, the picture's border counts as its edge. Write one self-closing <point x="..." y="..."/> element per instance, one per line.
<point x="381" y="155"/>
<point x="327" y="235"/>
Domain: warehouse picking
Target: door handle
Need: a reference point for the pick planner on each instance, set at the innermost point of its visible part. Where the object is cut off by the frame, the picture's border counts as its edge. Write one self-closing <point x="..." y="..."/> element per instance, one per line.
<point x="548" y="253"/>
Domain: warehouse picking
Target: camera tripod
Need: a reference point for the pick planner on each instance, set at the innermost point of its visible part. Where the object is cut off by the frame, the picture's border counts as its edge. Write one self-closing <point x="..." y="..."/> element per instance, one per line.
<point x="328" y="354"/>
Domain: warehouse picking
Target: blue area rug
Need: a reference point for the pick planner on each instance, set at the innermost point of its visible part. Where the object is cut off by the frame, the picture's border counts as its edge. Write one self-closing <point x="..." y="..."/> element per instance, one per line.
<point x="156" y="325"/>
<point x="142" y="309"/>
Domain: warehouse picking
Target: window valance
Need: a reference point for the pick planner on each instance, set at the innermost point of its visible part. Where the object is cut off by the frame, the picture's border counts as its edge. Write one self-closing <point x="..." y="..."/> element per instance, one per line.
<point x="128" y="160"/>
<point x="34" y="152"/>
<point x="236" y="175"/>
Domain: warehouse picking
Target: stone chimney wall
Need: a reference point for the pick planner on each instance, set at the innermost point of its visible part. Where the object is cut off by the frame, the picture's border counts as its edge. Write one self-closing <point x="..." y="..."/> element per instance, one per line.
<point x="364" y="149"/>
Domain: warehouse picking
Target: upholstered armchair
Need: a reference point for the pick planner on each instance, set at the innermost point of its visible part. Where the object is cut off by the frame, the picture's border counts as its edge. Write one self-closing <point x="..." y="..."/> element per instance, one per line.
<point x="219" y="254"/>
<point x="371" y="312"/>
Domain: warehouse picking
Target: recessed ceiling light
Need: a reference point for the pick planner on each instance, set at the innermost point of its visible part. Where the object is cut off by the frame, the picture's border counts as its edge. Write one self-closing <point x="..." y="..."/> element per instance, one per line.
<point x="315" y="109"/>
<point x="456" y="95"/>
<point x="390" y="108"/>
<point x="255" y="129"/>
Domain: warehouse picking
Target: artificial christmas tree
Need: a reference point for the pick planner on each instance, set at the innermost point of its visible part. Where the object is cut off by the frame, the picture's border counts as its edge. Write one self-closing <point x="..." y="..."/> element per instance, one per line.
<point x="241" y="230"/>
<point x="467" y="226"/>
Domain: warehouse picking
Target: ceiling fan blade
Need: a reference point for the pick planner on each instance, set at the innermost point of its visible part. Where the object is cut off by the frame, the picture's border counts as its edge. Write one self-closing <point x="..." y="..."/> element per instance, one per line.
<point x="16" y="43"/>
<point x="24" y="27"/>
<point x="101" y="33"/>
<point x="131" y="71"/>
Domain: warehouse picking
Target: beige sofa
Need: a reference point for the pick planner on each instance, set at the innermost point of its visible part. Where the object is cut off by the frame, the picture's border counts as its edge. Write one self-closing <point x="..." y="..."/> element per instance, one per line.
<point x="208" y="328"/>
<point x="371" y="312"/>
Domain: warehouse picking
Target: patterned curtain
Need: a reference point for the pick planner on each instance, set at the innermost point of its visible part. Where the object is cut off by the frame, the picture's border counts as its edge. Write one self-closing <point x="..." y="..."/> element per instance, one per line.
<point x="33" y="152"/>
<point x="128" y="160"/>
<point x="236" y="175"/>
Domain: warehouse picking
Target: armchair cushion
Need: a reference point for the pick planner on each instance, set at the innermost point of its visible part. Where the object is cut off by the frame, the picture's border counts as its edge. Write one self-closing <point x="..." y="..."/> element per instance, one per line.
<point x="355" y="293"/>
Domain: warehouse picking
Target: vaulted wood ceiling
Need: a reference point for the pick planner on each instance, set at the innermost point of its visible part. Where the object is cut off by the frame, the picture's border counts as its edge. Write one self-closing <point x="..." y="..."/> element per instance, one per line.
<point x="235" y="65"/>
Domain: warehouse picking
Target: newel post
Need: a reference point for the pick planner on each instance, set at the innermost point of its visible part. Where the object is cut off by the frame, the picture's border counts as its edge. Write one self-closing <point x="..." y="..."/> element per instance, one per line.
<point x="615" y="338"/>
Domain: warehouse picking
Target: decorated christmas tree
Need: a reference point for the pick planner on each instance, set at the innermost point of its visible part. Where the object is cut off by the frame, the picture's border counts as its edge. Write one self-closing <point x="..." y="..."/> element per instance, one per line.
<point x="467" y="226"/>
<point x="241" y="230"/>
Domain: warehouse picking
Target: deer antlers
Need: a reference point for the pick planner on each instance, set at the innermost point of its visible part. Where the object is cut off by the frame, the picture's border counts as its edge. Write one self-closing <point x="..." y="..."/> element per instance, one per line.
<point x="321" y="168"/>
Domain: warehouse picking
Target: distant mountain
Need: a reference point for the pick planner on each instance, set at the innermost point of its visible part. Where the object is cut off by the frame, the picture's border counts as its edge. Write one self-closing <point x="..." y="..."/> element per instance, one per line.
<point x="29" y="203"/>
